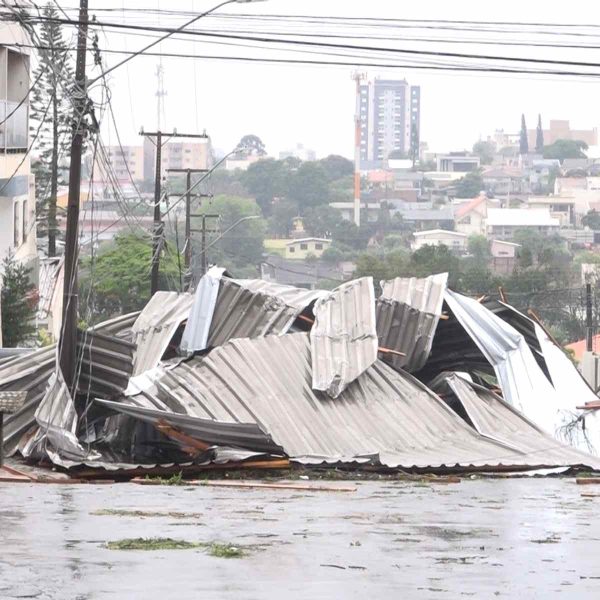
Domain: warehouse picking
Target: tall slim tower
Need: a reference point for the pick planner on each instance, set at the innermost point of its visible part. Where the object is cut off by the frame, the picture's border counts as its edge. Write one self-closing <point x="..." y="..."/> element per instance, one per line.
<point x="358" y="77"/>
<point x="160" y="95"/>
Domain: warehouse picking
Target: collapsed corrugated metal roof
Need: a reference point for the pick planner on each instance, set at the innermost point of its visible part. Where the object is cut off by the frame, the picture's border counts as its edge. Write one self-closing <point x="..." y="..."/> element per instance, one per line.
<point x="344" y="336"/>
<point x="495" y="419"/>
<point x="254" y="308"/>
<point x="156" y="326"/>
<point x="524" y="385"/>
<point x="408" y="312"/>
<point x="384" y="416"/>
<point x="28" y="372"/>
<point x="234" y="308"/>
<point x="106" y="364"/>
<point x="56" y="418"/>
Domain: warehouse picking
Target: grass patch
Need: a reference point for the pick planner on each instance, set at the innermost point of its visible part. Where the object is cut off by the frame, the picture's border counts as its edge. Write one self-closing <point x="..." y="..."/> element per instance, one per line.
<point x="213" y="548"/>
<point x="176" y="479"/>
<point x="117" y="512"/>
<point x="225" y="551"/>
<point x="151" y="544"/>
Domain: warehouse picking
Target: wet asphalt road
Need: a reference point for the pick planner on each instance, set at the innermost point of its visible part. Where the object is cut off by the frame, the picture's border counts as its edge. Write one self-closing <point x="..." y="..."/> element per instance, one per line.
<point x="525" y="538"/>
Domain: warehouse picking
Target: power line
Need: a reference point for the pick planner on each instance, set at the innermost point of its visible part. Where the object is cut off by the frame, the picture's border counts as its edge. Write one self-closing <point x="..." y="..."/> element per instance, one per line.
<point x="263" y="39"/>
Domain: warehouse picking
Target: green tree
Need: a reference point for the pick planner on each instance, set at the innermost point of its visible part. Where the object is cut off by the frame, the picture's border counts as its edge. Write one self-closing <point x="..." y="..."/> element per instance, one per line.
<point x="336" y="167"/>
<point x="266" y="180"/>
<point x="485" y="151"/>
<point x="321" y="221"/>
<point x="562" y="149"/>
<point x="308" y="186"/>
<point x="523" y="141"/>
<point x="429" y="260"/>
<point x="252" y="144"/>
<point x="242" y="246"/>
<point x="280" y="221"/>
<point x="539" y="136"/>
<point x="18" y="302"/>
<point x="479" y="248"/>
<point x="51" y="107"/>
<point x="117" y="281"/>
<point x="470" y="185"/>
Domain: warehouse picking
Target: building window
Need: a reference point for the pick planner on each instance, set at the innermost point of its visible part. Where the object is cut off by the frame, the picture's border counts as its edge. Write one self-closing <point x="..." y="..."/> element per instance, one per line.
<point x="318" y="246"/>
<point x="292" y="249"/>
<point x="303" y="246"/>
<point x="24" y="221"/>
<point x="16" y="225"/>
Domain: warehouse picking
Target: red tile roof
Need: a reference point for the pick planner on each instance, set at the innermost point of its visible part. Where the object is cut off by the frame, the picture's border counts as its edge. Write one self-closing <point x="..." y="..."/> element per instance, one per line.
<point x="578" y="348"/>
<point x="467" y="207"/>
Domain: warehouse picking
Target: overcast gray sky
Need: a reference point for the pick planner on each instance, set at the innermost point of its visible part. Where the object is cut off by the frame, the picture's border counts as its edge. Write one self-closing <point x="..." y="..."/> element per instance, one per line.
<point x="314" y="105"/>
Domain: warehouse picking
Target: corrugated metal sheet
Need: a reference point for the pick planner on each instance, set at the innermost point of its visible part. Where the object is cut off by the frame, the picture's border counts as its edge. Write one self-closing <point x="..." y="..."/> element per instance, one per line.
<point x="241" y="435"/>
<point x="497" y="420"/>
<point x="343" y="337"/>
<point x="384" y="415"/>
<point x="156" y="326"/>
<point x="57" y="424"/>
<point x="29" y="372"/>
<point x="408" y="313"/>
<point x="524" y="385"/>
<point x="106" y="364"/>
<point x="254" y="308"/>
<point x="195" y="334"/>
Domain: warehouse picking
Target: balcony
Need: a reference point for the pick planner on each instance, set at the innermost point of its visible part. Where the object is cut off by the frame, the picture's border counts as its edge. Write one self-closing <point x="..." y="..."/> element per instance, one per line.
<point x="13" y="132"/>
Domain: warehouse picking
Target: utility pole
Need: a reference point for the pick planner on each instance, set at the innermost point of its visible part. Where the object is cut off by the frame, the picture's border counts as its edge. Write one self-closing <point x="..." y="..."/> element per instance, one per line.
<point x="68" y="341"/>
<point x="204" y="231"/>
<point x="157" y="233"/>
<point x="188" y="212"/>
<point x="588" y="318"/>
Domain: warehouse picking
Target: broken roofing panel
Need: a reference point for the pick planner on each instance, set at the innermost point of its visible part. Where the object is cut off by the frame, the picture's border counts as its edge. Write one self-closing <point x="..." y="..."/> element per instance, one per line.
<point x="234" y="308"/>
<point x="497" y="420"/>
<point x="524" y="385"/>
<point x="156" y="326"/>
<point x="195" y="334"/>
<point x="254" y="308"/>
<point x="384" y="416"/>
<point x="343" y="337"/>
<point x="408" y="312"/>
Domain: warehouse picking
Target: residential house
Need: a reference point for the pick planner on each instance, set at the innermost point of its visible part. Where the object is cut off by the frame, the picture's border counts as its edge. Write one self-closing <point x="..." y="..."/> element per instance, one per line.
<point x="561" y="208"/>
<point x="505" y="181"/>
<point x="504" y="257"/>
<point x="503" y="222"/>
<point x="301" y="248"/>
<point x="426" y="219"/>
<point x="458" y="162"/>
<point x="454" y="240"/>
<point x="470" y="216"/>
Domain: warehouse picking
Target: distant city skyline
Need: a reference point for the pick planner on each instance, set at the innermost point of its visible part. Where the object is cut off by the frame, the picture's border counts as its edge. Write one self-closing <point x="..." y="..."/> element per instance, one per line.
<point x="285" y="104"/>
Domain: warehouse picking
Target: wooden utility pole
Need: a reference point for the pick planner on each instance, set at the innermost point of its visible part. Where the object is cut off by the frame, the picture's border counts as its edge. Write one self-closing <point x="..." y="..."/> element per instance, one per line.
<point x="188" y="212"/>
<point x="158" y="227"/>
<point x="589" y="320"/>
<point x="68" y="340"/>
<point x="204" y="231"/>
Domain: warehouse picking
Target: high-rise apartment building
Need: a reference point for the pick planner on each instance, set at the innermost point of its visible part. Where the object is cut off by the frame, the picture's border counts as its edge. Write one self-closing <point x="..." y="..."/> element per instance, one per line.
<point x="390" y="119"/>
